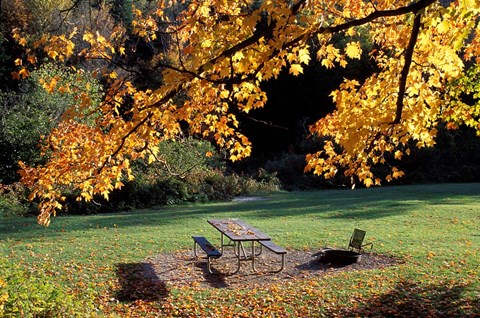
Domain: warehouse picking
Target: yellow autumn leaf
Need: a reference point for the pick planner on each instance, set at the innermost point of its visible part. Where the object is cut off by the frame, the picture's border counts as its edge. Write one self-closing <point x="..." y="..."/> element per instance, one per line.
<point x="23" y="73"/>
<point x="151" y="159"/>
<point x="398" y="155"/>
<point x="443" y="27"/>
<point x="88" y="37"/>
<point x="207" y="43"/>
<point x="368" y="182"/>
<point x="100" y="38"/>
<point x="353" y="50"/>
<point x="32" y="59"/>
<point x="296" y="69"/>
<point x="398" y="174"/>
<point x="327" y="63"/>
<point x="304" y="55"/>
<point x="22" y="41"/>
<point x="53" y="54"/>
<point x="351" y="32"/>
<point x="224" y="94"/>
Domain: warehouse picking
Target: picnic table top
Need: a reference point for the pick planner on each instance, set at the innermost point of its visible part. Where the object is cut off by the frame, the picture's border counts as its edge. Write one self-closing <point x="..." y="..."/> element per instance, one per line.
<point x="238" y="230"/>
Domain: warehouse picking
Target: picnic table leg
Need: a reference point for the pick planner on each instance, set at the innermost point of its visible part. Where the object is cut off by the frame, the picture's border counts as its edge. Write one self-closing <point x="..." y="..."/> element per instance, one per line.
<point x="253" y="256"/>
<point x="261" y="251"/>
<point x="283" y="265"/>
<point x="209" y="266"/>
<point x="239" y="256"/>
<point x="221" y="243"/>
<point x="195" y="249"/>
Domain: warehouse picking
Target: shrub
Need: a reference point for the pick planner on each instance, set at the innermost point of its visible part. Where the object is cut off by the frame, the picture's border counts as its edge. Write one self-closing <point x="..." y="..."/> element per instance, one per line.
<point x="33" y="294"/>
<point x="13" y="201"/>
<point x="220" y="187"/>
<point x="454" y="158"/>
<point x="141" y="193"/>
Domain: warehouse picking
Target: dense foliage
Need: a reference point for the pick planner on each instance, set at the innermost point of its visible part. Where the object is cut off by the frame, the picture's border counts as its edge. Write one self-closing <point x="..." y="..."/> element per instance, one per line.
<point x="193" y="67"/>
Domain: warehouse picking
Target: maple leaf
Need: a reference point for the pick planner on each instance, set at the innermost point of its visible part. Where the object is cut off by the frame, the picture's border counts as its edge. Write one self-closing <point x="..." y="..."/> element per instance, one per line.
<point x="296" y="69"/>
<point x="304" y="55"/>
<point x="32" y="59"/>
<point x="327" y="63"/>
<point x="53" y="54"/>
<point x="398" y="155"/>
<point x="353" y="50"/>
<point x="23" y="73"/>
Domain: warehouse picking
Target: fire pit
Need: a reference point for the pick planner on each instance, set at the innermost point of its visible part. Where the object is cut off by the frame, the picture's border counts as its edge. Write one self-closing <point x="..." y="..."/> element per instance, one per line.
<point x="337" y="256"/>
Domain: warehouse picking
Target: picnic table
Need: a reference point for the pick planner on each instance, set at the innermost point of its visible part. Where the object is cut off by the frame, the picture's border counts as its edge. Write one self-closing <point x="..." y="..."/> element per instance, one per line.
<point x="239" y="232"/>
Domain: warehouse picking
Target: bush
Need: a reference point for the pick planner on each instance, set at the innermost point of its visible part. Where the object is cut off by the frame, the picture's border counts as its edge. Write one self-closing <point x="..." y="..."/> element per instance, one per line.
<point x="220" y="187"/>
<point x="13" y="201"/>
<point x="142" y="194"/>
<point x="27" y="294"/>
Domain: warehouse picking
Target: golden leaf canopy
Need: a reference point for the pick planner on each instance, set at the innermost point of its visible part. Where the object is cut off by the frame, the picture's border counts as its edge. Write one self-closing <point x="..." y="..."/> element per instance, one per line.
<point x="216" y="54"/>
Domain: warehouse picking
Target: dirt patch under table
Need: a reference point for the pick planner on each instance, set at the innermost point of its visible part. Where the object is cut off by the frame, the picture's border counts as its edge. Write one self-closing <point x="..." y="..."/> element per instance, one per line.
<point x="183" y="269"/>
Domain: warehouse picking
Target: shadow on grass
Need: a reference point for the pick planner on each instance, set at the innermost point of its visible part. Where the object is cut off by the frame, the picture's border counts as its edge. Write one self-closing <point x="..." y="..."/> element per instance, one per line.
<point x="408" y="299"/>
<point x="138" y="281"/>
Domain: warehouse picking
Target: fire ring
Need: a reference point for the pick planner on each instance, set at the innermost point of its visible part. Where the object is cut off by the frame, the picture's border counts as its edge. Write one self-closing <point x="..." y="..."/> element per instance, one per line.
<point x="338" y="256"/>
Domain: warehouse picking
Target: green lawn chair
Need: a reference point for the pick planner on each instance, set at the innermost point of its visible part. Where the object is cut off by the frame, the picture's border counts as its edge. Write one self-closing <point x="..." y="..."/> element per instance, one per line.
<point x="356" y="241"/>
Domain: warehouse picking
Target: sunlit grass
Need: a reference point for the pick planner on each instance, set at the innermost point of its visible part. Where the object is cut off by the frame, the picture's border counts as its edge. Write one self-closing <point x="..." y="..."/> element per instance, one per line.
<point x="434" y="228"/>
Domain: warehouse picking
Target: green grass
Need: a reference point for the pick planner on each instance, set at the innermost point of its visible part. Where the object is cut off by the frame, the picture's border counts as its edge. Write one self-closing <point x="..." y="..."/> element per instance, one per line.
<point x="434" y="228"/>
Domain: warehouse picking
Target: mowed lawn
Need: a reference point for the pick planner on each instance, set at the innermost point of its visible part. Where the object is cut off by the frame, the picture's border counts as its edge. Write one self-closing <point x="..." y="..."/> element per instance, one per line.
<point x="434" y="229"/>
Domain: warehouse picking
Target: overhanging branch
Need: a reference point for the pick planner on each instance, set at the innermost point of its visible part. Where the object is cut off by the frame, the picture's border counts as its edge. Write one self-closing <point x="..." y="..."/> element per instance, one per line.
<point x="406" y="67"/>
<point x="412" y="8"/>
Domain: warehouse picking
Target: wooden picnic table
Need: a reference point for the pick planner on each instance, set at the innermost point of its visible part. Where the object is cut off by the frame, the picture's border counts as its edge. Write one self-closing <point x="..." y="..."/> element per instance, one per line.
<point x="239" y="232"/>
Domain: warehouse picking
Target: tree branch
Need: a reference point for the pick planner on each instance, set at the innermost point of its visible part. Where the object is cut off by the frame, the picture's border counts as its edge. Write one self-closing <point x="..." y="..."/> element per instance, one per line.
<point x="406" y="66"/>
<point x="122" y="141"/>
<point x="412" y="8"/>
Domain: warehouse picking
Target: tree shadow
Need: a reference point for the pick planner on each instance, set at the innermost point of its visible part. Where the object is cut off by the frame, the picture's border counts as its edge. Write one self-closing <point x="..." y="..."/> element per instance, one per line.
<point x="138" y="281"/>
<point x="409" y="299"/>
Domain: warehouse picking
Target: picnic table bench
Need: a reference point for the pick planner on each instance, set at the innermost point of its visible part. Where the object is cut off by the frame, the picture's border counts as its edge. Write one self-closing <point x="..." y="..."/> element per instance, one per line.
<point x="207" y="247"/>
<point x="277" y="250"/>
